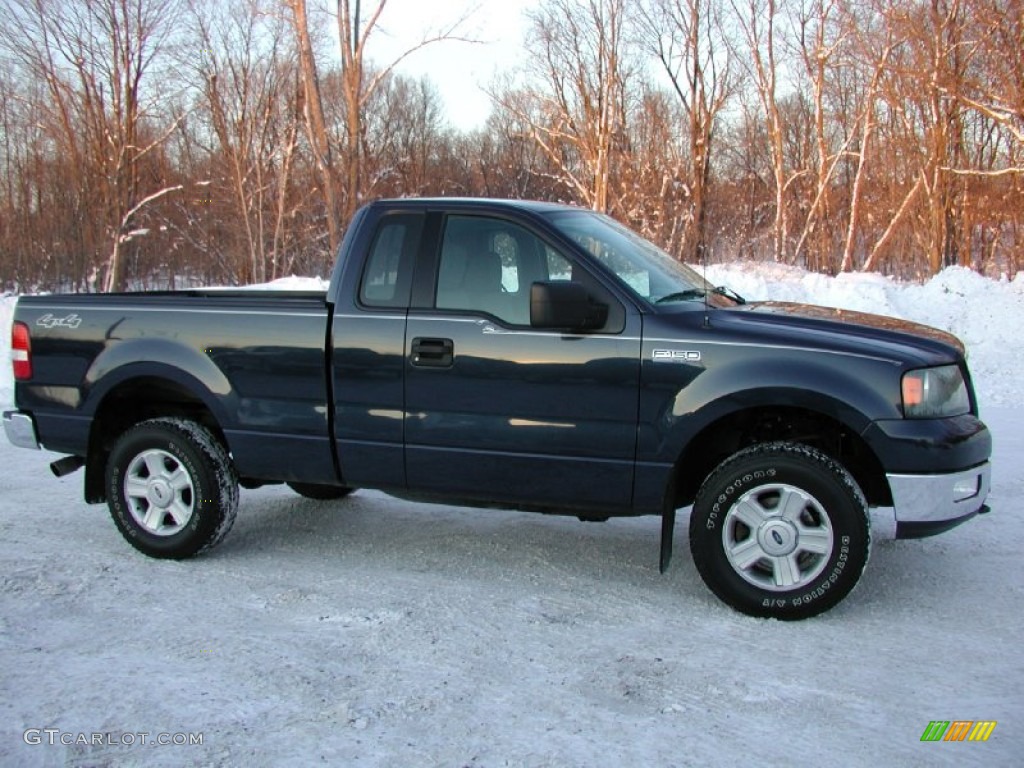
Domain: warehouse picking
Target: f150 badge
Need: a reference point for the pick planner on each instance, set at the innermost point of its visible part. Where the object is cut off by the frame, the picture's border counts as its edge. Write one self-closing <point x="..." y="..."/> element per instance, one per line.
<point x="675" y="356"/>
<point x="49" y="321"/>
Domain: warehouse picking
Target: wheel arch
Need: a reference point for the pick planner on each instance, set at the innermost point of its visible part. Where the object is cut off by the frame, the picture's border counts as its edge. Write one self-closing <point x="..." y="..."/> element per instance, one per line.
<point x="732" y="431"/>
<point x="138" y="393"/>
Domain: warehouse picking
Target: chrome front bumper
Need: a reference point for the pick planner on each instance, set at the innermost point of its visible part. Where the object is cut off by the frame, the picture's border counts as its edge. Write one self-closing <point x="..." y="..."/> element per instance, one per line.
<point x="928" y="504"/>
<point x="20" y="429"/>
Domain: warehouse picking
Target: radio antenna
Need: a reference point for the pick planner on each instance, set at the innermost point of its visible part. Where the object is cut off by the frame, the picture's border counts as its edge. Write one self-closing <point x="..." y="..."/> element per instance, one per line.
<point x="704" y="265"/>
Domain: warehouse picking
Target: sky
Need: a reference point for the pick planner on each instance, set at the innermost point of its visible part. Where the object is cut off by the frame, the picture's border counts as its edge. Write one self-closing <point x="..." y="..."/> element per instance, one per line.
<point x="457" y="69"/>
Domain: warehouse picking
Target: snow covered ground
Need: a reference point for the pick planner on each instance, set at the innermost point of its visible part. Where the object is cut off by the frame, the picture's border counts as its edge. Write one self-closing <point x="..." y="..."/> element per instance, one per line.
<point x="384" y="633"/>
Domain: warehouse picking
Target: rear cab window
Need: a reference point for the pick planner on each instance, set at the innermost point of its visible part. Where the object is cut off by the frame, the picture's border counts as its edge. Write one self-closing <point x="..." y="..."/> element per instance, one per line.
<point x="387" y="277"/>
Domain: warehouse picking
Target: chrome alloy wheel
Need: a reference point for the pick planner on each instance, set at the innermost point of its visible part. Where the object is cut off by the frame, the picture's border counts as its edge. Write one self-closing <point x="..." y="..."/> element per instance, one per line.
<point x="159" y="492"/>
<point x="777" y="537"/>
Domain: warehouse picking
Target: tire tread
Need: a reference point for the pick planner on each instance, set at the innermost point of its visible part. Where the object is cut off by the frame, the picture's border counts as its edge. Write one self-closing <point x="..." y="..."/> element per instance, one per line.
<point x="217" y="461"/>
<point x="702" y="556"/>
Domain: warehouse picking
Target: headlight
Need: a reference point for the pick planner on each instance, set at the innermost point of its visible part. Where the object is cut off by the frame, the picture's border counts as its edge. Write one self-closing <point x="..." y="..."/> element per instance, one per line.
<point x="931" y="393"/>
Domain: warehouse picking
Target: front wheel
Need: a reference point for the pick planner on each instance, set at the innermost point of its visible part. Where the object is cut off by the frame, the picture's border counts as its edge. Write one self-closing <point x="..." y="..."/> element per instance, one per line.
<point x="171" y="488"/>
<point x="780" y="530"/>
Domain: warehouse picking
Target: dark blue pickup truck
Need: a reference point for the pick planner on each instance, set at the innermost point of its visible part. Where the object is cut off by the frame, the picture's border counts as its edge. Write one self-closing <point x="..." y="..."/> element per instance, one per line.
<point x="521" y="355"/>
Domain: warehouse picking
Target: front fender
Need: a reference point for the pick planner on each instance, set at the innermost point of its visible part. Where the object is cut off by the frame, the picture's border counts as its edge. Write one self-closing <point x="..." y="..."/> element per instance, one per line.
<point x="851" y="391"/>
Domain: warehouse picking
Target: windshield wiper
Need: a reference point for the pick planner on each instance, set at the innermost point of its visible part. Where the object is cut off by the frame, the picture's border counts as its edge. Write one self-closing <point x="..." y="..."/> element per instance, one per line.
<point x="687" y="295"/>
<point x="700" y="293"/>
<point x="729" y="293"/>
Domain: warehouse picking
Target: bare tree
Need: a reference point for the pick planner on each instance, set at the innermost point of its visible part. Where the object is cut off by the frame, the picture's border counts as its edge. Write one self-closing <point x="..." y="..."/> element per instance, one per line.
<point x="688" y="41"/>
<point x="871" y="50"/>
<point x="818" y="25"/>
<point x="995" y="88"/>
<point x="407" y="119"/>
<point x="756" y="20"/>
<point x="93" y="57"/>
<point x="874" y="134"/>
<point x="994" y="94"/>
<point x="22" y="153"/>
<point x="360" y="82"/>
<point x="316" y="124"/>
<point x="655" y="188"/>
<point x="247" y="74"/>
<point x="578" y="112"/>
<point x="927" y="129"/>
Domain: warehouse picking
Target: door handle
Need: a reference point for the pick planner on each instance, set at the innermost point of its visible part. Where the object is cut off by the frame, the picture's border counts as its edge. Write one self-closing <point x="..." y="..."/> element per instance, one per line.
<point x="433" y="353"/>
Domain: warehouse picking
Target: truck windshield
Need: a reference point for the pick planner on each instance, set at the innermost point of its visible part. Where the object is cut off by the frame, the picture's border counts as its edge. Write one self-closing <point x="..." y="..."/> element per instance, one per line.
<point x="647" y="270"/>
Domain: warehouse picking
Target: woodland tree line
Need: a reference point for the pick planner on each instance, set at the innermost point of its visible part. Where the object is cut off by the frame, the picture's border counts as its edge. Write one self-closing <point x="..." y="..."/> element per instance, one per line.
<point x="156" y="143"/>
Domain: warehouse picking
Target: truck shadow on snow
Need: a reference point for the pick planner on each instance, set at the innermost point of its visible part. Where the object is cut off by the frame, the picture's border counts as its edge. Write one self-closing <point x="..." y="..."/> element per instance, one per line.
<point x="391" y="539"/>
<point x="371" y="532"/>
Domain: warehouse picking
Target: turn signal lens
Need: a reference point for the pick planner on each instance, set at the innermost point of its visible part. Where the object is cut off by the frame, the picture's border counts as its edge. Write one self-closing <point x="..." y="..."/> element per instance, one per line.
<point x="913" y="389"/>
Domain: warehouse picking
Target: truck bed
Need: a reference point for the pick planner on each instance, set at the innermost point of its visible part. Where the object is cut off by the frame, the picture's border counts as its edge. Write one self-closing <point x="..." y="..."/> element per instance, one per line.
<point x="258" y="355"/>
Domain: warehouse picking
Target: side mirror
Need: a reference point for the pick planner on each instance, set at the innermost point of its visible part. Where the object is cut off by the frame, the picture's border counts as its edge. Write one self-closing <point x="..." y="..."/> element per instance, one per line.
<point x="566" y="305"/>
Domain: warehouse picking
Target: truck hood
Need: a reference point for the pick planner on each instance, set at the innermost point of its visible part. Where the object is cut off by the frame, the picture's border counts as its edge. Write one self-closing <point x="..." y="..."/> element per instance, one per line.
<point x="837" y="330"/>
<point x="863" y="319"/>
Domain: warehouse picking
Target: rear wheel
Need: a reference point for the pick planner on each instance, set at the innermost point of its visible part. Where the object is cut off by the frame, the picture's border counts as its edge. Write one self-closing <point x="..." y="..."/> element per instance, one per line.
<point x="780" y="530"/>
<point x="321" y="492"/>
<point x="171" y="488"/>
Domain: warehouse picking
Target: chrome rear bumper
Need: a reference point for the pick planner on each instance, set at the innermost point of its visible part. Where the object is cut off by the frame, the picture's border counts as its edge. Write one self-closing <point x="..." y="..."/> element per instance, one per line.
<point x="20" y="429"/>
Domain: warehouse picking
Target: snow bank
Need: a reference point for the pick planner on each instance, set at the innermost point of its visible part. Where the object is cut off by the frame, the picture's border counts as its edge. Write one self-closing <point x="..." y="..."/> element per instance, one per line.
<point x="290" y="283"/>
<point x="986" y="314"/>
<point x="295" y="283"/>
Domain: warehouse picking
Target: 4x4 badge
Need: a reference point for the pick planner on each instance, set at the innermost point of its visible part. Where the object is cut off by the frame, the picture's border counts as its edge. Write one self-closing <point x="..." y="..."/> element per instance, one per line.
<point x="49" y="321"/>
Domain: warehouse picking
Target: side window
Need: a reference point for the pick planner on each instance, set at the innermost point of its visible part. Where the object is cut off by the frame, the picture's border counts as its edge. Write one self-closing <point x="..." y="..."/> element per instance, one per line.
<point x="387" y="277"/>
<point x="488" y="265"/>
<point x="559" y="267"/>
<point x="507" y="247"/>
<point x="483" y="266"/>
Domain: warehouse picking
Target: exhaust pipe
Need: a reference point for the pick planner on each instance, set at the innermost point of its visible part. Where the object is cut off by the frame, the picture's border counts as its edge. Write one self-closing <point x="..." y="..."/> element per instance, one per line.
<point x="67" y="465"/>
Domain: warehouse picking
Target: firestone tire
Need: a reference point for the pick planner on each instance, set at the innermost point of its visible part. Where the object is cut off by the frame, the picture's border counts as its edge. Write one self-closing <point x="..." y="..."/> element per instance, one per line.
<point x="780" y="530"/>
<point x="171" y="488"/>
<point x="321" y="492"/>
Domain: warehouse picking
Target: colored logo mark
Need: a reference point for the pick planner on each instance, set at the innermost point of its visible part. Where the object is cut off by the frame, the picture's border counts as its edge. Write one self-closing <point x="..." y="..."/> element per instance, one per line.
<point x="958" y="730"/>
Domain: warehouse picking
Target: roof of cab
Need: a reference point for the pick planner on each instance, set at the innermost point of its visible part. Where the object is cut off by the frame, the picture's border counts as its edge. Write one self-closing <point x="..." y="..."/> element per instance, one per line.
<point x="536" y="206"/>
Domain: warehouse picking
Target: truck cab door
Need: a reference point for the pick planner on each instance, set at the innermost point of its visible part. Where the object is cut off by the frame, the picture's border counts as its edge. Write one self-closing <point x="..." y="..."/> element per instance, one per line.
<point x="497" y="410"/>
<point x="367" y="344"/>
